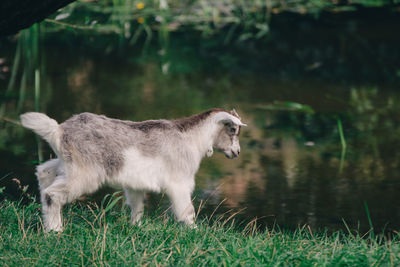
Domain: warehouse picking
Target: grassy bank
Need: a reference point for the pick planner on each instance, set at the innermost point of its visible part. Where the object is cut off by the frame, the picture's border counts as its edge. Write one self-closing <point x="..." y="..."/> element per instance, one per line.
<point x="102" y="236"/>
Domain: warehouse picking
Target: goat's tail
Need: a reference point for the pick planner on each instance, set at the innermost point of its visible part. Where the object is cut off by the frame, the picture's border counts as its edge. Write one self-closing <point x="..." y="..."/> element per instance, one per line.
<point x="44" y="126"/>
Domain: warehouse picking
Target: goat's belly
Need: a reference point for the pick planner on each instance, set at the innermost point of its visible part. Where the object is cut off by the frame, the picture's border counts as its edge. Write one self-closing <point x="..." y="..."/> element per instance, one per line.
<point x="141" y="173"/>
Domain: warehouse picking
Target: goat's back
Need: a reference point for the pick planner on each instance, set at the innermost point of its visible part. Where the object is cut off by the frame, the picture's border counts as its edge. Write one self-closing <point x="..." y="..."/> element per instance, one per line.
<point x="96" y="139"/>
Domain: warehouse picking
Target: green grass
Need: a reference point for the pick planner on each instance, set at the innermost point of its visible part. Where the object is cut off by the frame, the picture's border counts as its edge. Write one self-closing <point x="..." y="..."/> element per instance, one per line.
<point x="95" y="237"/>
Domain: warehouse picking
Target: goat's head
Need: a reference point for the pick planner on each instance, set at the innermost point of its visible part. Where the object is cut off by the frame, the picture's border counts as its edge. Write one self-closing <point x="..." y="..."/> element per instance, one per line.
<point x="227" y="140"/>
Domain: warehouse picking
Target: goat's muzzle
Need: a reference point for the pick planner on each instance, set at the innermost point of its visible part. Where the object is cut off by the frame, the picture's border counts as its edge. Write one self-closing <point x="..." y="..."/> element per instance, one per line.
<point x="232" y="154"/>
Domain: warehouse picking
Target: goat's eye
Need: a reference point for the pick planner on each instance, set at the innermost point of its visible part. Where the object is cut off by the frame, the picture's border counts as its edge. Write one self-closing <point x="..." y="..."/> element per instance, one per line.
<point x="233" y="130"/>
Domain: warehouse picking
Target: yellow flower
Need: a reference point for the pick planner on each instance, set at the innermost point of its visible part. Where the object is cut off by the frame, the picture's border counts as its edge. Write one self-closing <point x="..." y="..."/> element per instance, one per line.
<point x="140" y="20"/>
<point x="140" y="5"/>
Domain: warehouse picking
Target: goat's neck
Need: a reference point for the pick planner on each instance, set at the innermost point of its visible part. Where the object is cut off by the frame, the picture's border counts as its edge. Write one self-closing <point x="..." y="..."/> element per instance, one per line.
<point x="203" y="136"/>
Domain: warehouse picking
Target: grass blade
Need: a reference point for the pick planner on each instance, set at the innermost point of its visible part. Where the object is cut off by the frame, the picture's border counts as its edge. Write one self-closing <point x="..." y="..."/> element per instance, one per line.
<point x="369" y="220"/>
<point x="344" y="145"/>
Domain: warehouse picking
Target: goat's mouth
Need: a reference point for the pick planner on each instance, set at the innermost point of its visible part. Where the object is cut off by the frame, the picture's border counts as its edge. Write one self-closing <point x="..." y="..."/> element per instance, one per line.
<point x="230" y="154"/>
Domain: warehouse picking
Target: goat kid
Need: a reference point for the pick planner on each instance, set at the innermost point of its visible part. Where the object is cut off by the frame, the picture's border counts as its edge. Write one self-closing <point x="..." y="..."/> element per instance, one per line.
<point x="154" y="155"/>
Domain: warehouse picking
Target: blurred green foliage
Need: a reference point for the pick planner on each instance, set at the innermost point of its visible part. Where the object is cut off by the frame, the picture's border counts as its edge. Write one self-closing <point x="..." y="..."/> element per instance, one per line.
<point x="240" y="19"/>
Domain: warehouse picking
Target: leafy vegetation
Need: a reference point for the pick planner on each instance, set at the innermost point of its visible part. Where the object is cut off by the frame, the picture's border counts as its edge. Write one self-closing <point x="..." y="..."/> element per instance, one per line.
<point x="241" y="20"/>
<point x="103" y="236"/>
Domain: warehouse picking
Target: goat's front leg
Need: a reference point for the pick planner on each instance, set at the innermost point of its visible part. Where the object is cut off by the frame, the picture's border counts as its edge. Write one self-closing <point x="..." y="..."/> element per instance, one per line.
<point x="135" y="201"/>
<point x="182" y="205"/>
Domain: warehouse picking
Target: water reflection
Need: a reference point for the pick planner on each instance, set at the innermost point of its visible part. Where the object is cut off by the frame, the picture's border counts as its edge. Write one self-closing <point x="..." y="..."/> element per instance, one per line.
<point x="288" y="172"/>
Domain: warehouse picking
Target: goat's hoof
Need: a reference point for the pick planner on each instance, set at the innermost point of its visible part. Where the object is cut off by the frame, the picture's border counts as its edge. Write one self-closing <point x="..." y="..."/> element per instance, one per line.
<point x="55" y="230"/>
<point x="190" y="225"/>
<point x="136" y="222"/>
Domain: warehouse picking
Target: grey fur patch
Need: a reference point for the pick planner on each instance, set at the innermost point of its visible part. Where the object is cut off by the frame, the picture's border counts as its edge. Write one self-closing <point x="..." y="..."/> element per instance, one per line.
<point x="49" y="201"/>
<point x="147" y="126"/>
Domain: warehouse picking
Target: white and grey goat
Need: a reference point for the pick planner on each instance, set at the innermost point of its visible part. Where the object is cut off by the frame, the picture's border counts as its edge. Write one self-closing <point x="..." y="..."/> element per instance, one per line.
<point x="154" y="155"/>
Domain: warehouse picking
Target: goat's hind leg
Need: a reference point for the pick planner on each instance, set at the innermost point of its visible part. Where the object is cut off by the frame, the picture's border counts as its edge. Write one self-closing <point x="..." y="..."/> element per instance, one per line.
<point x="135" y="201"/>
<point x="47" y="173"/>
<point x="53" y="198"/>
<point x="63" y="190"/>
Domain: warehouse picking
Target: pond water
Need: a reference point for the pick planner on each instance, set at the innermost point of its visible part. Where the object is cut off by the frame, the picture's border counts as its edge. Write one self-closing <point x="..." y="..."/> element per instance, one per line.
<point x="292" y="170"/>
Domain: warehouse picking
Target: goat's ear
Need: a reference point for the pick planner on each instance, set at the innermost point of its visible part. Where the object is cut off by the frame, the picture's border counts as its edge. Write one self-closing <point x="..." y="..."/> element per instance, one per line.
<point x="234" y="113"/>
<point x="226" y="118"/>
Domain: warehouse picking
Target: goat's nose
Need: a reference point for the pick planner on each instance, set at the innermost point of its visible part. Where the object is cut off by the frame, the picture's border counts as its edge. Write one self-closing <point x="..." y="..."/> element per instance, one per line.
<point x="234" y="155"/>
